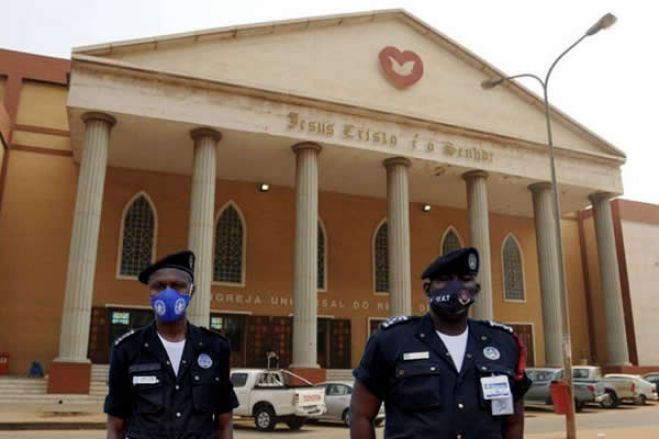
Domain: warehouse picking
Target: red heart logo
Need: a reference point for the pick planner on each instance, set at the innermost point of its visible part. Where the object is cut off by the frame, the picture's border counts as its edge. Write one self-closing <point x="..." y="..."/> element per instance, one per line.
<point x="401" y="68"/>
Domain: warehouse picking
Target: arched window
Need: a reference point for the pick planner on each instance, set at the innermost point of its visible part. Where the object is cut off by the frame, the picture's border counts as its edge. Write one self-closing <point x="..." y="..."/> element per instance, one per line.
<point x="138" y="227"/>
<point x="322" y="252"/>
<point x="229" y="246"/>
<point x="513" y="270"/>
<point x="381" y="253"/>
<point x="451" y="241"/>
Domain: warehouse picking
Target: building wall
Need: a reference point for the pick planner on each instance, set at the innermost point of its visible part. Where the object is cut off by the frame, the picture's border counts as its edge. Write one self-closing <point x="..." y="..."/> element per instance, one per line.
<point x="639" y="230"/>
<point x="35" y="225"/>
<point x="39" y="189"/>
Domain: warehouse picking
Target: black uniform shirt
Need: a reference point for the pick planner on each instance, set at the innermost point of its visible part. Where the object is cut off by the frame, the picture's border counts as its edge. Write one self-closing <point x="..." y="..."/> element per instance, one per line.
<point x="154" y="402"/>
<point x="407" y="366"/>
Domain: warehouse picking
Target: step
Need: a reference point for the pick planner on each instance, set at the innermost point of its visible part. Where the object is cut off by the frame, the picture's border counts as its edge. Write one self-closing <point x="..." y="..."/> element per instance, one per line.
<point x="339" y="375"/>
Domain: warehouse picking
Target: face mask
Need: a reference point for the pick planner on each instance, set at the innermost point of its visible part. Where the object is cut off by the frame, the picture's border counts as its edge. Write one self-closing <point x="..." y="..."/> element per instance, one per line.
<point x="170" y="305"/>
<point x="453" y="299"/>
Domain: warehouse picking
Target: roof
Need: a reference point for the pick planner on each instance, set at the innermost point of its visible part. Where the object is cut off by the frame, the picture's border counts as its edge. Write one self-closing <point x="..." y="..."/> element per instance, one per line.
<point x="233" y="33"/>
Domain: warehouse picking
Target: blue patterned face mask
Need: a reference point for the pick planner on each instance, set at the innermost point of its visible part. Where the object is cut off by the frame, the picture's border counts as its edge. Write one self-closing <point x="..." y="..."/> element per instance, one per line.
<point x="453" y="299"/>
<point x="169" y="305"/>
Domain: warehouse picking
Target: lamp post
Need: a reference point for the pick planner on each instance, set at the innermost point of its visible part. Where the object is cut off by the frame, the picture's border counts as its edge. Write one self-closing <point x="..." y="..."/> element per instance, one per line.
<point x="603" y="23"/>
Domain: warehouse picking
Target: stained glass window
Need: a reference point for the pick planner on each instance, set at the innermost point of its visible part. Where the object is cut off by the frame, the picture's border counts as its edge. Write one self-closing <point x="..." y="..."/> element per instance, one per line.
<point x="228" y="264"/>
<point x="321" y="258"/>
<point x="381" y="252"/>
<point x="513" y="274"/>
<point x="138" y="236"/>
<point x="451" y="242"/>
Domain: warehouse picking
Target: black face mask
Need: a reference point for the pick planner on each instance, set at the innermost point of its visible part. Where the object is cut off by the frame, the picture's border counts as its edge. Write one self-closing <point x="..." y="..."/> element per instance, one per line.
<point x="454" y="299"/>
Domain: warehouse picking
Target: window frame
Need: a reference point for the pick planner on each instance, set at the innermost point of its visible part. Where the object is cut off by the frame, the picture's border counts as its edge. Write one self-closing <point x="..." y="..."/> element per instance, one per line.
<point x="374" y="259"/>
<point x="325" y="287"/>
<point x="120" y="246"/>
<point x="503" y="269"/>
<point x="243" y="268"/>
<point x="448" y="230"/>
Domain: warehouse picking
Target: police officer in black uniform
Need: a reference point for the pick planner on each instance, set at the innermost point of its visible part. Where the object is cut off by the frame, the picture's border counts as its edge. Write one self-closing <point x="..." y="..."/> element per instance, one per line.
<point x="170" y="379"/>
<point x="426" y="392"/>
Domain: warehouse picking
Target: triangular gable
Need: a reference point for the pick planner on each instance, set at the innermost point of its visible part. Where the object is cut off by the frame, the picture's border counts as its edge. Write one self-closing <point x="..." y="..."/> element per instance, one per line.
<point x="336" y="59"/>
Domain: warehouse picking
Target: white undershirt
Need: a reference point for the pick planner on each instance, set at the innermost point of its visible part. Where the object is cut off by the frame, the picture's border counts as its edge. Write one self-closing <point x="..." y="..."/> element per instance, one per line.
<point x="456" y="345"/>
<point x="174" y="352"/>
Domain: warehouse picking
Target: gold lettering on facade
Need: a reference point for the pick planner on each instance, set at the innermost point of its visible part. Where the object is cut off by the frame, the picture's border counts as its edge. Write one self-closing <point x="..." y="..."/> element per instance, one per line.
<point x="368" y="135"/>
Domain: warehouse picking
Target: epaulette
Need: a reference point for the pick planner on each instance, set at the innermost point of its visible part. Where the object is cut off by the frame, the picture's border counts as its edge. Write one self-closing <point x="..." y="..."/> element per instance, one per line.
<point x="493" y="324"/>
<point x="395" y="320"/>
<point x="127" y="335"/>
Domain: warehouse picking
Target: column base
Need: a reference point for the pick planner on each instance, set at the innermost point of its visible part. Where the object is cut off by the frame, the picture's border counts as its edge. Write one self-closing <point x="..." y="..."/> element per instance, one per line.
<point x="313" y="374"/>
<point x="69" y="377"/>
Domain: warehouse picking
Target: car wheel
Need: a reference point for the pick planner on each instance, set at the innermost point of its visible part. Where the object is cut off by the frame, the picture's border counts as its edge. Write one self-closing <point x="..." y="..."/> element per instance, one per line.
<point x="640" y="400"/>
<point x="264" y="418"/>
<point x="579" y="405"/>
<point x="611" y="402"/>
<point x="295" y="422"/>
<point x="346" y="417"/>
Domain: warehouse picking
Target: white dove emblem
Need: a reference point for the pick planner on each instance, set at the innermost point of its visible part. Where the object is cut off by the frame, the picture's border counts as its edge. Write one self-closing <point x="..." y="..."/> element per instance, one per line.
<point x="404" y="69"/>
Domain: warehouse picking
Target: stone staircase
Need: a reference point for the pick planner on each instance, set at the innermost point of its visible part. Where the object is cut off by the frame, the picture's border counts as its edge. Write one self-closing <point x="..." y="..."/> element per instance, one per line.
<point x="99" y="384"/>
<point x="339" y="375"/>
<point x="21" y="390"/>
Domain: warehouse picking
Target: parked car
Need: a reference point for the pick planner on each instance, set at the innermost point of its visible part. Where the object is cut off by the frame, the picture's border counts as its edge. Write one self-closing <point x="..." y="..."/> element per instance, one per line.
<point x="337" y="400"/>
<point x="593" y="374"/>
<point x="585" y="392"/>
<point x="653" y="377"/>
<point x="640" y="390"/>
<point x="271" y="396"/>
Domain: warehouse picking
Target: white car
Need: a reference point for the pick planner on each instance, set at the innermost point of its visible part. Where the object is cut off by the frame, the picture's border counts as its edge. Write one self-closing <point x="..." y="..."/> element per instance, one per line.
<point x="337" y="400"/>
<point x="271" y="396"/>
<point x="640" y="390"/>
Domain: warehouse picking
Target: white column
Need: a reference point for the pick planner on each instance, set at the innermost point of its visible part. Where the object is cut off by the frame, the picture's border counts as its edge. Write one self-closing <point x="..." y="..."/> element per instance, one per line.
<point x="74" y="332"/>
<point x="305" y="283"/>
<point x="200" y="231"/>
<point x="479" y="232"/>
<point x="548" y="264"/>
<point x="398" y="227"/>
<point x="616" y="339"/>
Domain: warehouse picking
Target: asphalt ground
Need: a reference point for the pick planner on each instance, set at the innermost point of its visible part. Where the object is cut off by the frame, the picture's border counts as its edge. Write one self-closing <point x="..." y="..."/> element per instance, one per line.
<point x="626" y="422"/>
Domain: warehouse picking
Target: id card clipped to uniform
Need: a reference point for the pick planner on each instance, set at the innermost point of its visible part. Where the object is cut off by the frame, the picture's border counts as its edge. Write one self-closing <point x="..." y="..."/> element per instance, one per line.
<point x="496" y="389"/>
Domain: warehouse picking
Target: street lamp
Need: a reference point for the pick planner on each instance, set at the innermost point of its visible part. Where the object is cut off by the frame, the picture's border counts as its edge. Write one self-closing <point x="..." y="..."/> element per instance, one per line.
<point x="603" y="23"/>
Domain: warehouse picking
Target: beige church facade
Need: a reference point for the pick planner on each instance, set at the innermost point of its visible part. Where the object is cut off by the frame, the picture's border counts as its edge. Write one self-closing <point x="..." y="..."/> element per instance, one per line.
<point x="315" y="167"/>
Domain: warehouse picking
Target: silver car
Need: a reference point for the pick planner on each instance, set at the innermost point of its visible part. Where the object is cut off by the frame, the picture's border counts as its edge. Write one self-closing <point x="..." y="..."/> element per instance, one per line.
<point x="337" y="401"/>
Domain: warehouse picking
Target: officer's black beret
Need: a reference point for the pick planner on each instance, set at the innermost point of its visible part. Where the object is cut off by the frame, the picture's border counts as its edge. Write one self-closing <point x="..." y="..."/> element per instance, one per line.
<point x="461" y="261"/>
<point x="183" y="261"/>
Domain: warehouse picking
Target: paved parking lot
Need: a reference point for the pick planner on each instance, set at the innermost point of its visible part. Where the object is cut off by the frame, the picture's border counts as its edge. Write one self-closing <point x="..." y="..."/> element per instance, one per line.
<point x="594" y="423"/>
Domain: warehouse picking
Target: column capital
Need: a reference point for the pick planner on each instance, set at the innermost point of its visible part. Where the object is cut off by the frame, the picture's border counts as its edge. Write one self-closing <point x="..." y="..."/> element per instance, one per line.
<point x="306" y="145"/>
<point x="393" y="161"/>
<point x="477" y="173"/>
<point x="96" y="115"/>
<point x="200" y="132"/>
<point x="540" y="186"/>
<point x="599" y="196"/>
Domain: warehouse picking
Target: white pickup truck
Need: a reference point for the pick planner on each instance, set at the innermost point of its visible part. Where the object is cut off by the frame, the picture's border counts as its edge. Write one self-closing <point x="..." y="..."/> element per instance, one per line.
<point x="269" y="397"/>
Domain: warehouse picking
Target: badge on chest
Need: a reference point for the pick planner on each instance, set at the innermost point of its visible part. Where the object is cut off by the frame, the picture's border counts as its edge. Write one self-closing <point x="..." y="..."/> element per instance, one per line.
<point x="496" y="389"/>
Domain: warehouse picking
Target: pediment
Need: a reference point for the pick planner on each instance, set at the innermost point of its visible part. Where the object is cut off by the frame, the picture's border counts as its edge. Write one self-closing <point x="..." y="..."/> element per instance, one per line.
<point x="337" y="59"/>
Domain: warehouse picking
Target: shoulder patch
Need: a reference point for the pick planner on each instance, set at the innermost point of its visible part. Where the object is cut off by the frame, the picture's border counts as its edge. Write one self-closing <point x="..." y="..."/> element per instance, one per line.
<point x="127" y="335"/>
<point x="395" y="320"/>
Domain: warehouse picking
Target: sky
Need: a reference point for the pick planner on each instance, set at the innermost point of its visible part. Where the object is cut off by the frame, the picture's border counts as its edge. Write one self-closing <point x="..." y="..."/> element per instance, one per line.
<point x="608" y="83"/>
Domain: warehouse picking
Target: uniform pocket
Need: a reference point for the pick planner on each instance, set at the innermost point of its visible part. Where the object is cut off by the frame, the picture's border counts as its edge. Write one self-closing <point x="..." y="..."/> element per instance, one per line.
<point x="486" y="369"/>
<point x="148" y="389"/>
<point x="205" y="390"/>
<point x="417" y="386"/>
